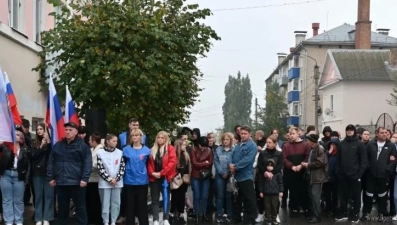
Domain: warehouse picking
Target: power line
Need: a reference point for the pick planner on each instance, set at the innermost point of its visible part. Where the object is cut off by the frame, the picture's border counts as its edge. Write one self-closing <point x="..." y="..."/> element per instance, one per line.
<point x="267" y="6"/>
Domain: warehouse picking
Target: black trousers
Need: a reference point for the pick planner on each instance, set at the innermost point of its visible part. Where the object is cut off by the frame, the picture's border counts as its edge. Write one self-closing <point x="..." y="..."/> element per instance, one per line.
<point x="381" y="185"/>
<point x="93" y="203"/>
<point x="123" y="204"/>
<point x="272" y="204"/>
<point x="211" y="195"/>
<point x="259" y="201"/>
<point x="77" y="194"/>
<point x="178" y="199"/>
<point x="330" y="192"/>
<point x="391" y="194"/>
<point x="137" y="204"/>
<point x="246" y="193"/>
<point x="29" y="192"/>
<point x="350" y="189"/>
<point x="298" y="194"/>
<point x="286" y="187"/>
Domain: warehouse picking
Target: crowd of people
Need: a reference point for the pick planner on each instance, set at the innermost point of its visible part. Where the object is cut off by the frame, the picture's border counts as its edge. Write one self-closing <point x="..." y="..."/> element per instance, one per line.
<point x="245" y="179"/>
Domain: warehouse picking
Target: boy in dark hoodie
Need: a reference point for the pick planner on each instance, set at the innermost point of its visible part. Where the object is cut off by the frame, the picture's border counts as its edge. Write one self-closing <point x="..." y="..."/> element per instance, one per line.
<point x="327" y="137"/>
<point x="271" y="190"/>
<point x="330" y="188"/>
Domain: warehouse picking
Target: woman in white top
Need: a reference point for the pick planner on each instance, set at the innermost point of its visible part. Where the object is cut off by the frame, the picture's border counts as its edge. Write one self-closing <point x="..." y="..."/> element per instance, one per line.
<point x="111" y="167"/>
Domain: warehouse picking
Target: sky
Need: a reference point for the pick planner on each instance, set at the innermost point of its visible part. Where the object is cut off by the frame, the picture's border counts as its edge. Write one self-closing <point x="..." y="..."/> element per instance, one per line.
<point x="251" y="39"/>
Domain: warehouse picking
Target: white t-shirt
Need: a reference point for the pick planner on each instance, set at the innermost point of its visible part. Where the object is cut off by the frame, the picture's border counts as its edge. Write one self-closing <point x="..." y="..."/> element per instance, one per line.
<point x="380" y="147"/>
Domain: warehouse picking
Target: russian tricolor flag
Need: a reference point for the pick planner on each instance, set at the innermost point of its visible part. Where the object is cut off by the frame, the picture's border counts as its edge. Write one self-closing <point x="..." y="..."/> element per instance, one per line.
<point x="12" y="102"/>
<point x="70" y="110"/>
<point x="7" y="131"/>
<point x="54" y="117"/>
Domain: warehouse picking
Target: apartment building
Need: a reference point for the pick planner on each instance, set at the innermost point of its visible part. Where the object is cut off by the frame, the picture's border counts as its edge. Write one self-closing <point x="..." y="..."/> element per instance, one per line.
<point x="295" y="71"/>
<point x="21" y="22"/>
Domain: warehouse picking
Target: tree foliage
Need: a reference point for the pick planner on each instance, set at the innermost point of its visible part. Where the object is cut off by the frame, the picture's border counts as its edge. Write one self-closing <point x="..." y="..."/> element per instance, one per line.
<point x="238" y="100"/>
<point x="136" y="58"/>
<point x="274" y="114"/>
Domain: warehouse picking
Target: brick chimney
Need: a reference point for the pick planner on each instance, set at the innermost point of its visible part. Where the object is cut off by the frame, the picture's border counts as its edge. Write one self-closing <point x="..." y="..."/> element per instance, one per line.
<point x="315" y="27"/>
<point x="363" y="25"/>
<point x="393" y="57"/>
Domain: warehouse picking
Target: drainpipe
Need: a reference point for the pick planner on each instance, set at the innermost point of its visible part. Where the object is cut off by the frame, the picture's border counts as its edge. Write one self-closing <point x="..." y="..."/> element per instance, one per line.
<point x="304" y="88"/>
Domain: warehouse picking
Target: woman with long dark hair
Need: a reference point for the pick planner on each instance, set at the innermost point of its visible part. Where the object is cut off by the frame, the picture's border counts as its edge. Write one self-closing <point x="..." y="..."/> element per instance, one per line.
<point x="44" y="193"/>
<point x="15" y="172"/>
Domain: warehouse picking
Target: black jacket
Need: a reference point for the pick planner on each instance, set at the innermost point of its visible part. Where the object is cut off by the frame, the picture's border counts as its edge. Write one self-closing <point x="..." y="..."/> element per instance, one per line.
<point x="39" y="160"/>
<point x="351" y="159"/>
<point x="267" y="154"/>
<point x="23" y="166"/>
<point x="70" y="163"/>
<point x="273" y="186"/>
<point x="381" y="167"/>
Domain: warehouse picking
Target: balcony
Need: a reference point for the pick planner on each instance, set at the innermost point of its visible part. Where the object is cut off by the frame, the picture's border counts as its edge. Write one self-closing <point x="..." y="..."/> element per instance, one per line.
<point x="293" y="73"/>
<point x="293" y="96"/>
<point x="293" y="120"/>
<point x="284" y="81"/>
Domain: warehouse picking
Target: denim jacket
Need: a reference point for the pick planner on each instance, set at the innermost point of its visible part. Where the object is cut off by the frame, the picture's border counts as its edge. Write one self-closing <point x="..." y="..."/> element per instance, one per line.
<point x="222" y="160"/>
<point x="243" y="158"/>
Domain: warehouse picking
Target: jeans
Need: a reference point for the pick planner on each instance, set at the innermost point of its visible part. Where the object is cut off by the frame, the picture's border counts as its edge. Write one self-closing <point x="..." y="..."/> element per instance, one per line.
<point x="44" y="201"/>
<point x="110" y="198"/>
<point x="12" y="190"/>
<point x="77" y="194"/>
<point x="222" y="195"/>
<point x="156" y="188"/>
<point x="200" y="194"/>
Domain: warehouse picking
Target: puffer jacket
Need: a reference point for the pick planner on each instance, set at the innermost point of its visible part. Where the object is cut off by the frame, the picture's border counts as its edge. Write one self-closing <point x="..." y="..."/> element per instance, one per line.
<point x="352" y="158"/>
<point x="70" y="163"/>
<point x="381" y="167"/>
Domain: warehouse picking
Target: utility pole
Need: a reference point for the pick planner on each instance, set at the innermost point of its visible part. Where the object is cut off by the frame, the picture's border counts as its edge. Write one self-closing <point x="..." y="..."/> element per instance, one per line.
<point x="316" y="77"/>
<point x="256" y="113"/>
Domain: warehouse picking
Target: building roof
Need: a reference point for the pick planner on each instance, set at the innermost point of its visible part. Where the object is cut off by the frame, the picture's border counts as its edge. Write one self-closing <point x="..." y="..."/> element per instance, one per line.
<point x="363" y="65"/>
<point x="346" y="33"/>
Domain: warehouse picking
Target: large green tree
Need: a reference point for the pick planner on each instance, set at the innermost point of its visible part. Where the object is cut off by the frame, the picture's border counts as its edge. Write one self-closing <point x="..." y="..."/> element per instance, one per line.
<point x="238" y="100"/>
<point x="136" y="58"/>
<point x="274" y="115"/>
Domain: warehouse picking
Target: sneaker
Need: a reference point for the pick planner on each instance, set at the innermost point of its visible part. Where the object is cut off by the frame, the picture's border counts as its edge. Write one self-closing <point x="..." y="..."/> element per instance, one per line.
<point x="260" y="218"/>
<point x="219" y="220"/>
<point x="278" y="219"/>
<point x="45" y="222"/>
<point x="156" y="222"/>
<point x="39" y="223"/>
<point x="165" y="222"/>
<point x="355" y="219"/>
<point x="342" y="216"/>
<point x="394" y="218"/>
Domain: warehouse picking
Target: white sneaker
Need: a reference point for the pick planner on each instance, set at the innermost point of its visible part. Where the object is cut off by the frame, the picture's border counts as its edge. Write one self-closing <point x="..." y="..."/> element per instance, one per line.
<point x="45" y="222"/>
<point x="278" y="219"/>
<point x="156" y="222"/>
<point x="394" y="218"/>
<point x="260" y="218"/>
<point x="39" y="223"/>
<point x="19" y="224"/>
<point x="165" y="222"/>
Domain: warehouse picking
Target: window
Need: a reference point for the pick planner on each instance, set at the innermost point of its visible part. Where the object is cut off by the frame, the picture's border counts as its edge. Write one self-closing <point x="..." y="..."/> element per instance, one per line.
<point x="38" y="20"/>
<point x="300" y="85"/>
<point x="301" y="61"/>
<point x="295" y="109"/>
<point x="331" y="102"/>
<point x="295" y="86"/>
<point x="300" y="109"/>
<point x="35" y="122"/>
<point x="296" y="61"/>
<point x="13" y="13"/>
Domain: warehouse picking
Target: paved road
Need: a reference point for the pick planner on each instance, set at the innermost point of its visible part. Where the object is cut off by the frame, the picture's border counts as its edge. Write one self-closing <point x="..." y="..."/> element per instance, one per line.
<point x="284" y="217"/>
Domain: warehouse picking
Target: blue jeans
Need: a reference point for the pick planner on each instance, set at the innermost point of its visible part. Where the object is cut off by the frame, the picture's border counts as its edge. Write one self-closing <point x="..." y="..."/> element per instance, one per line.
<point x="12" y="190"/>
<point x="44" y="200"/>
<point x="222" y="195"/>
<point x="200" y="194"/>
<point x="110" y="199"/>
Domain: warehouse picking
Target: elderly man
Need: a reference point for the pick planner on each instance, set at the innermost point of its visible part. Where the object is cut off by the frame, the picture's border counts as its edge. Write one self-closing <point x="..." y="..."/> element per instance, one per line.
<point x="69" y="168"/>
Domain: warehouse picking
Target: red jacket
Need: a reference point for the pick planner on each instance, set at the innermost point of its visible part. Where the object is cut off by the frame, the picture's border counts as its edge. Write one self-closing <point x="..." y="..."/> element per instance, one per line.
<point x="169" y="165"/>
<point x="199" y="156"/>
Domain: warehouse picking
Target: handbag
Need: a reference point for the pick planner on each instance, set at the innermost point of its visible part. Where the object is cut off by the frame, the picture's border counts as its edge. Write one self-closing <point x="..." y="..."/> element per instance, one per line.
<point x="186" y="178"/>
<point x="176" y="182"/>
<point x="205" y="174"/>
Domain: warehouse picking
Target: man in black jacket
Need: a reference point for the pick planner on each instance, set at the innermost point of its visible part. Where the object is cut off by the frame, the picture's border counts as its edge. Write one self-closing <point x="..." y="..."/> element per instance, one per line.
<point x="381" y="157"/>
<point x="351" y="162"/>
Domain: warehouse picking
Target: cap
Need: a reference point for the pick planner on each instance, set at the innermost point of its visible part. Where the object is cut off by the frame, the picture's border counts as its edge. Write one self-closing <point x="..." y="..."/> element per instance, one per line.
<point x="71" y="124"/>
<point x="313" y="138"/>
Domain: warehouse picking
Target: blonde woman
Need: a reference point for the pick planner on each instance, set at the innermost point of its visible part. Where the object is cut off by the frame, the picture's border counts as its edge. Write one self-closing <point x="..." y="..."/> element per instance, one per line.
<point x="136" y="179"/>
<point x="178" y="195"/>
<point x="161" y="166"/>
<point x="222" y="159"/>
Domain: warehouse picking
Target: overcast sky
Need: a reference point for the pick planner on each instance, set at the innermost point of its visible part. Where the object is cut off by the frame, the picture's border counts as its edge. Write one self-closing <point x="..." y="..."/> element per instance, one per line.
<point x="251" y="39"/>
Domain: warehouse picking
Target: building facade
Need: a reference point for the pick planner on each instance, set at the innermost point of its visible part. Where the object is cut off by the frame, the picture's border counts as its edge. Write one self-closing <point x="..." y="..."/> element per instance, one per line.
<point x="298" y="68"/>
<point x="21" y="22"/>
